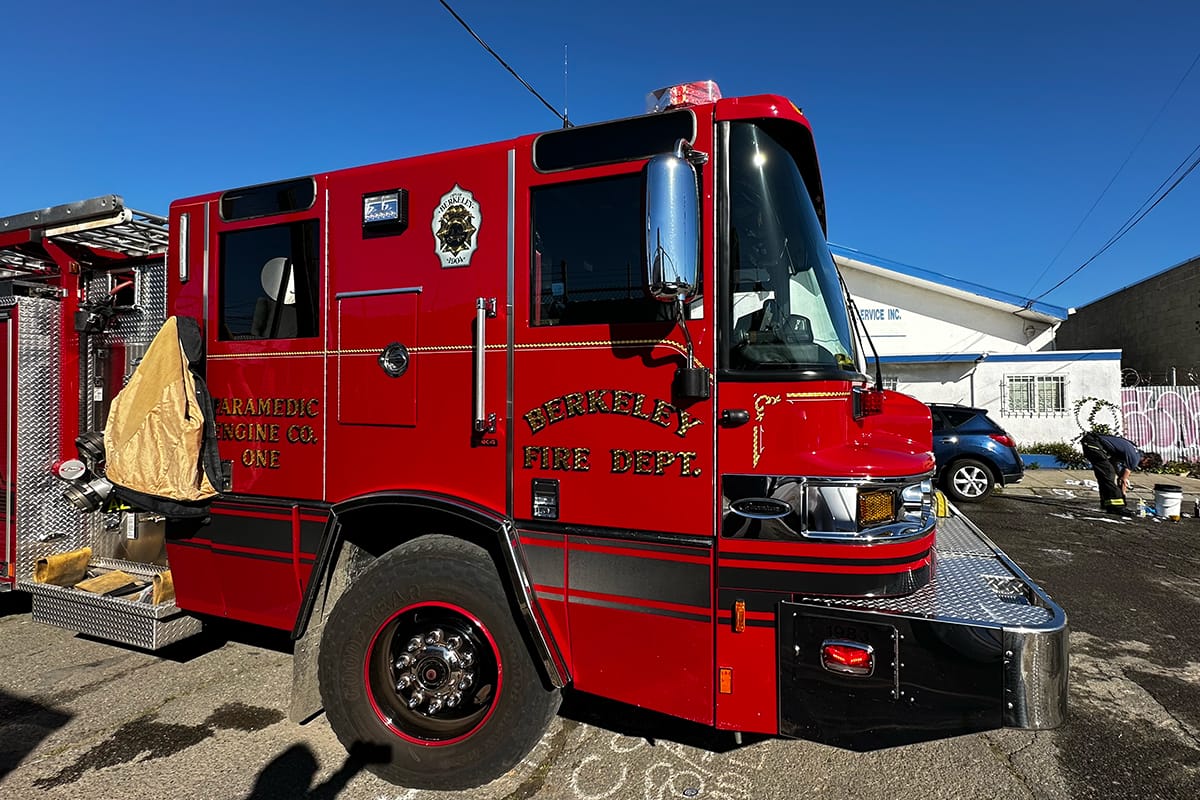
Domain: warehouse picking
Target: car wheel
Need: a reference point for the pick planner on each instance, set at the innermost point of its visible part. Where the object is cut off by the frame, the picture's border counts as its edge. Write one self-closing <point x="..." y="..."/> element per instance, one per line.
<point x="422" y="662"/>
<point x="969" y="481"/>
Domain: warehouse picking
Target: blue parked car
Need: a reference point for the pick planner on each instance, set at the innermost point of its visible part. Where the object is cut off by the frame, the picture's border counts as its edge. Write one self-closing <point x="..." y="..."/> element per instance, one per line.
<point x="972" y="452"/>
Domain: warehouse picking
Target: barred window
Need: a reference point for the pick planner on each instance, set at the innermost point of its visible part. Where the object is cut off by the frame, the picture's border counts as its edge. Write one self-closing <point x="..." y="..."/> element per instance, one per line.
<point x="1035" y="394"/>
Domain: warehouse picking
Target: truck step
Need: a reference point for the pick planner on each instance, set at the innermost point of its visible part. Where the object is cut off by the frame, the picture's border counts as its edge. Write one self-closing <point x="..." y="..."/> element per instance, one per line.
<point x="115" y="619"/>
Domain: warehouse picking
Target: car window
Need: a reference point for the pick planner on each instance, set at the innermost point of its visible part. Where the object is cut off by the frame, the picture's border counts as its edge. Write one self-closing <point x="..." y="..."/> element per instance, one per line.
<point x="939" y="419"/>
<point x="957" y="416"/>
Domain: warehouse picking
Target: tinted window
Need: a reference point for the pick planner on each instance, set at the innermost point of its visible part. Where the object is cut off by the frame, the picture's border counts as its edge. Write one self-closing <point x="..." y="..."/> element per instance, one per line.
<point x="587" y="254"/>
<point x="270" y="198"/>
<point x="611" y="142"/>
<point x="957" y="416"/>
<point x="268" y="282"/>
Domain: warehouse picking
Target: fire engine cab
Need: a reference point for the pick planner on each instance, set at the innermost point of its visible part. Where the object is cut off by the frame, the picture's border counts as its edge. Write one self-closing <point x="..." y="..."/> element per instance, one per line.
<point x="581" y="409"/>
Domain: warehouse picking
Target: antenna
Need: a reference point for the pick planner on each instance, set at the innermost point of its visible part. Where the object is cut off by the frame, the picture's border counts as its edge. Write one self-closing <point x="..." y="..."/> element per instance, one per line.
<point x="566" y="117"/>
<point x="503" y="63"/>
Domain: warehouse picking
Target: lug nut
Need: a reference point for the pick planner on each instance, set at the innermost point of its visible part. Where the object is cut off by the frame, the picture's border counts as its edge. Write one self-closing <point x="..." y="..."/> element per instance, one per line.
<point x="416" y="699"/>
<point x="433" y="637"/>
<point x="453" y="699"/>
<point x="404" y="662"/>
<point x="414" y="644"/>
<point x="454" y="642"/>
<point x="435" y="705"/>
<point x="404" y="682"/>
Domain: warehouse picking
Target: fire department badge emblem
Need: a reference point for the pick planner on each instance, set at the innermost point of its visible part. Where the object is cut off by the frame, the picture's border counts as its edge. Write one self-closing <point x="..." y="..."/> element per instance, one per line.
<point x="456" y="223"/>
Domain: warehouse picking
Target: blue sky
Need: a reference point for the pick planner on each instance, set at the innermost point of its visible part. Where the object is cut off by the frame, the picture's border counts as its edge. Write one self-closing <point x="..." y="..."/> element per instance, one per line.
<point x="960" y="137"/>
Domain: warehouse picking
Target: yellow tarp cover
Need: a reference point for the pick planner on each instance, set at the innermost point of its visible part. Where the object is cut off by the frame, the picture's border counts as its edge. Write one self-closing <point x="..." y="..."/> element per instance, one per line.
<point x="155" y="427"/>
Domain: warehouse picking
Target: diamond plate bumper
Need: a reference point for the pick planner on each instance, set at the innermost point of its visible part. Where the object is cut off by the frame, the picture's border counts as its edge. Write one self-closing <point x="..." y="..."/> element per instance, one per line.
<point x="980" y="647"/>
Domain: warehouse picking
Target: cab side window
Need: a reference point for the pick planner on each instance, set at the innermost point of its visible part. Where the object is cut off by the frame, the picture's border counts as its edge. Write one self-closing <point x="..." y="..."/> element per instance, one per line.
<point x="269" y="282"/>
<point x="587" y="254"/>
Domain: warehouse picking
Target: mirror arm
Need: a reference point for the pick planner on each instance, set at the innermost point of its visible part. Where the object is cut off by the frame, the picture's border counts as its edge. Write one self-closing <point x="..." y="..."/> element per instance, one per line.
<point x="684" y="150"/>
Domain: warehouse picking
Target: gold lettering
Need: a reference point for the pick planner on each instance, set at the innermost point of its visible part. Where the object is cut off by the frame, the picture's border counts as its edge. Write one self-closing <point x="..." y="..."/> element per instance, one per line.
<point x="237" y="407"/>
<point x="639" y="401"/>
<point x="662" y="413"/>
<point x="662" y="460"/>
<point x="622" y="401"/>
<point x="536" y="418"/>
<point x="595" y="402"/>
<point x="621" y="460"/>
<point x="685" y="466"/>
<point x="643" y="462"/>
<point x="575" y="404"/>
<point x="579" y="459"/>
<point x="554" y="411"/>
<point x="686" y="423"/>
<point x="278" y="407"/>
<point x="562" y="459"/>
<point x="531" y="454"/>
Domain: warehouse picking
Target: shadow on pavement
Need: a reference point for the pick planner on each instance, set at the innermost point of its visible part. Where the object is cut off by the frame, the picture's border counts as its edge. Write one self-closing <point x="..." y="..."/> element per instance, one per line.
<point x="289" y="775"/>
<point x="649" y="725"/>
<point x="26" y="724"/>
<point x="12" y="603"/>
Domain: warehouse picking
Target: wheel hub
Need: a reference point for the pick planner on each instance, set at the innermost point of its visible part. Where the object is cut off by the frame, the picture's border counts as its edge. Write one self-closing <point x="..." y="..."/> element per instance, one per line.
<point x="434" y="670"/>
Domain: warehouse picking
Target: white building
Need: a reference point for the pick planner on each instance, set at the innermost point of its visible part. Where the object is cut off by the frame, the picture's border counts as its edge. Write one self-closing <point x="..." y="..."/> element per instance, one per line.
<point x="945" y="340"/>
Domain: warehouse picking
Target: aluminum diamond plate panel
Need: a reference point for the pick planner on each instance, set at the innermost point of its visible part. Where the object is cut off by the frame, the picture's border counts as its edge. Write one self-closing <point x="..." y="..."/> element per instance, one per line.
<point x="955" y="536"/>
<point x="111" y="618"/>
<point x="971" y="584"/>
<point x="46" y="524"/>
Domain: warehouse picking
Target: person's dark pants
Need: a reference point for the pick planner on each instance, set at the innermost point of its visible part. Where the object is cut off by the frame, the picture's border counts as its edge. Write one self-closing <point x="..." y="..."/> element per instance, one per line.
<point x="1112" y="495"/>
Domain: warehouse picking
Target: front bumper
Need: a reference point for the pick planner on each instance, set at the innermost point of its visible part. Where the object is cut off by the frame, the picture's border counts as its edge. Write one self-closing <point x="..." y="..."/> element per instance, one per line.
<point x="980" y="647"/>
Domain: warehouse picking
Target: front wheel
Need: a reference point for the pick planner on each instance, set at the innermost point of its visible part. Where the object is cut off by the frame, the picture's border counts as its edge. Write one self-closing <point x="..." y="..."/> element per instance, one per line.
<point x="969" y="481"/>
<point x="422" y="656"/>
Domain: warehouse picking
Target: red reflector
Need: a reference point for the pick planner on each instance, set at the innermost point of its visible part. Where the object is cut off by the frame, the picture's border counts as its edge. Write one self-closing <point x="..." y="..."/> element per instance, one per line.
<point x="848" y="658"/>
<point x="1004" y="439"/>
<point x="867" y="402"/>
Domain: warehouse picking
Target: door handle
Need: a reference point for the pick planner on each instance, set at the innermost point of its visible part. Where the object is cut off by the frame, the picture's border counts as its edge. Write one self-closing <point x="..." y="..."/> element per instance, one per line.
<point x="485" y="308"/>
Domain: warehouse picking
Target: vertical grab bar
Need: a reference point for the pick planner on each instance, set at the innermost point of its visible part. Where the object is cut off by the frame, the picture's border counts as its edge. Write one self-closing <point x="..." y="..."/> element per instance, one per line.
<point x="485" y="308"/>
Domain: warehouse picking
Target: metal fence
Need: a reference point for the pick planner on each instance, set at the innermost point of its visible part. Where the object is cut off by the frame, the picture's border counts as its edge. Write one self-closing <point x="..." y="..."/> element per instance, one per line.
<point x="1163" y="420"/>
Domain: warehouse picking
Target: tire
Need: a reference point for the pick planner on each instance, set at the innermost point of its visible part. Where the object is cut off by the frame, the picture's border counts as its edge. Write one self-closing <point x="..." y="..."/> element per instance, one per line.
<point x="423" y="666"/>
<point x="969" y="481"/>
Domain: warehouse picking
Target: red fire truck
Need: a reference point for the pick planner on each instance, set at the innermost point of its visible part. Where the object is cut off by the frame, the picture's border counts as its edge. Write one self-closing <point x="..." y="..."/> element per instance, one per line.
<point x="581" y="409"/>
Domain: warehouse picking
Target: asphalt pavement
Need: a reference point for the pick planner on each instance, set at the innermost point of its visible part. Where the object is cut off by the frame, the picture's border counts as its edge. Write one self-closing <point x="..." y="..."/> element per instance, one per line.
<point x="1075" y="484"/>
<point x="207" y="718"/>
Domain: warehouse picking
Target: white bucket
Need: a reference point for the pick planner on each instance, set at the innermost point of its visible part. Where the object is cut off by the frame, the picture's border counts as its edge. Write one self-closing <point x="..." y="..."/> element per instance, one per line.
<point x="1167" y="499"/>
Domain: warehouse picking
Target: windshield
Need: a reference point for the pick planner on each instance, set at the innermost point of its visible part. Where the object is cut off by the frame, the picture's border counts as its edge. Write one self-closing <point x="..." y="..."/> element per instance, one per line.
<point x="785" y="300"/>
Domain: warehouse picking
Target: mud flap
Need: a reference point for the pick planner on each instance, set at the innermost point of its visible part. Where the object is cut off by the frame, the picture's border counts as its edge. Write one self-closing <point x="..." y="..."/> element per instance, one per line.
<point x="929" y="679"/>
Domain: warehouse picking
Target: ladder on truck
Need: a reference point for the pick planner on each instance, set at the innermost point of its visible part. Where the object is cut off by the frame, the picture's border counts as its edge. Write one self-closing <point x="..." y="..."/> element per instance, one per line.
<point x="82" y="285"/>
<point x="98" y="230"/>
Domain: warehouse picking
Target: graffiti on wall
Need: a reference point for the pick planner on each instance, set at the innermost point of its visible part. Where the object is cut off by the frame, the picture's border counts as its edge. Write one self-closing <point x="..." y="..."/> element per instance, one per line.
<point x="1163" y="420"/>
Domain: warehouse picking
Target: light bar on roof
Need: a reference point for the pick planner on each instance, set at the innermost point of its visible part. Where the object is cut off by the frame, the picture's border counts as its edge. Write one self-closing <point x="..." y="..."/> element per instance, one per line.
<point x="682" y="95"/>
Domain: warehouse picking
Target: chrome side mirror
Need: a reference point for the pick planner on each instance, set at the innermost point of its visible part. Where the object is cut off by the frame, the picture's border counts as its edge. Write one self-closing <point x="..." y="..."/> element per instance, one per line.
<point x="672" y="226"/>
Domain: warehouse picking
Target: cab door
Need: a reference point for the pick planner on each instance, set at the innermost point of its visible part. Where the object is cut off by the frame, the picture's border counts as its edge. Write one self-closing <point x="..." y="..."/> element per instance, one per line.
<point x="612" y="477"/>
<point x="265" y="335"/>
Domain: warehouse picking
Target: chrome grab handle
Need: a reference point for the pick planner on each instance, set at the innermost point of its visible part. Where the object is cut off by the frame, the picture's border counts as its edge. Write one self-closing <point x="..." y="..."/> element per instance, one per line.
<point x="485" y="308"/>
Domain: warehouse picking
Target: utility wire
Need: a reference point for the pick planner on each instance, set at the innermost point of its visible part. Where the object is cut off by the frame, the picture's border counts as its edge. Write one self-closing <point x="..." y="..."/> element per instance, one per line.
<point x="1117" y="174"/>
<point x="1137" y="216"/>
<point x="566" y="122"/>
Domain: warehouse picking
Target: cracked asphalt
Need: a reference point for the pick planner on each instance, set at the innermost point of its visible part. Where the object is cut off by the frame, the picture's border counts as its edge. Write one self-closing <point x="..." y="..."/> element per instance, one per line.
<point x="82" y="718"/>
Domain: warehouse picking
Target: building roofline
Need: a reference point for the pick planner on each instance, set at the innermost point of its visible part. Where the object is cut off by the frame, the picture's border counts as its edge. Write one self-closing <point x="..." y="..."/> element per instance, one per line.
<point x="1184" y="263"/>
<point x="1039" y="355"/>
<point x="1015" y="301"/>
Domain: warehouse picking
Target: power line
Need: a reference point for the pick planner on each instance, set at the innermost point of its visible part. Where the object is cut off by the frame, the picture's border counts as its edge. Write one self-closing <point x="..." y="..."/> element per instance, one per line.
<point x="566" y="122"/>
<point x="1137" y="216"/>
<point x="1116" y="174"/>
